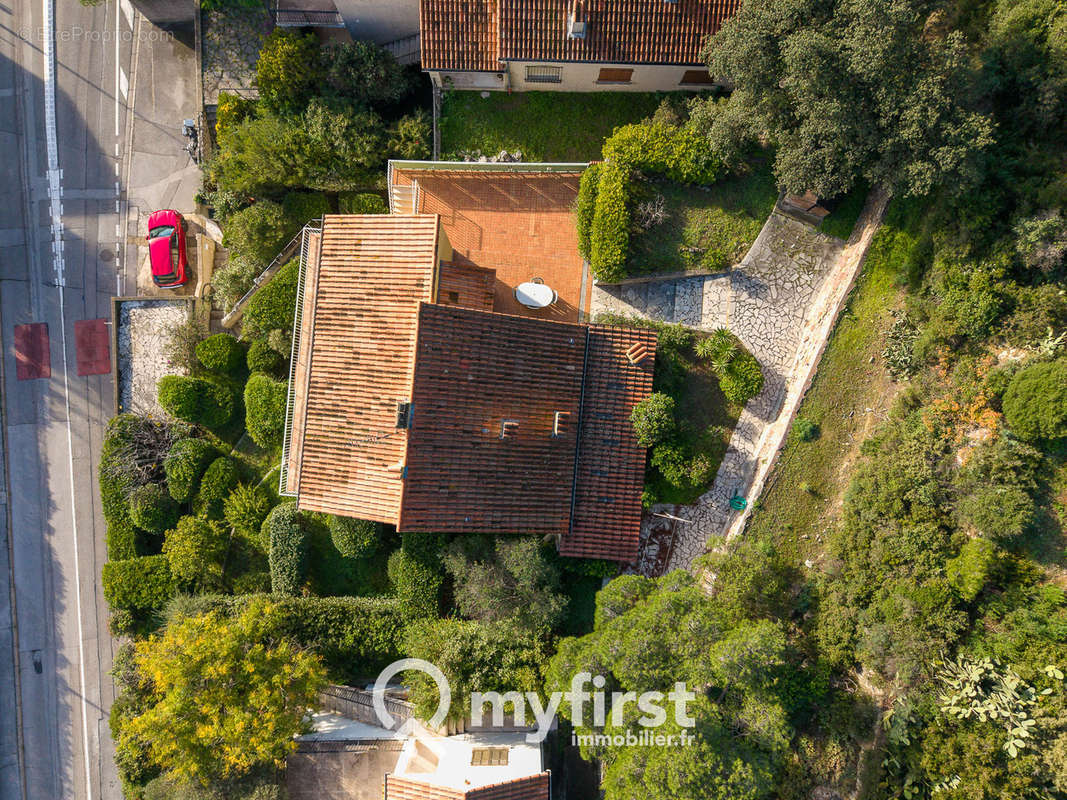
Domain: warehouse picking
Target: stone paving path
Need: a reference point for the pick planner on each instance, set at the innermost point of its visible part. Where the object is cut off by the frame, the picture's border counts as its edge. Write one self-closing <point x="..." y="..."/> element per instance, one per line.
<point x="231" y="41"/>
<point x="781" y="302"/>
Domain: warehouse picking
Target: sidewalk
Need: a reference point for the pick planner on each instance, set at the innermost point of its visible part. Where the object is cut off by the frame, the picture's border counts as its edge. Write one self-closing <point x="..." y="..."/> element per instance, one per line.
<point x="164" y="89"/>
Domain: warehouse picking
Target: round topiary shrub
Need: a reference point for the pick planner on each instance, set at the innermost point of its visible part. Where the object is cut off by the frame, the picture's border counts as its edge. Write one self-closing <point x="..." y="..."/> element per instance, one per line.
<point x="1035" y="403"/>
<point x="246" y="507"/>
<point x="220" y="353"/>
<point x="138" y="584"/>
<point x="273" y="306"/>
<point x="354" y="538"/>
<point x="215" y="486"/>
<point x="185" y="465"/>
<point x="653" y="419"/>
<point x="287" y="548"/>
<point x="265" y="400"/>
<point x="196" y="400"/>
<point x="152" y="509"/>
<point x="264" y="358"/>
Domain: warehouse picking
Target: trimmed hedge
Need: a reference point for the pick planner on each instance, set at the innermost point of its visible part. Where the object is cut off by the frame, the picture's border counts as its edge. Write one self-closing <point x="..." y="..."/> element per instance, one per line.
<point x="678" y="153"/>
<point x="196" y="400"/>
<point x="355" y="636"/>
<point x="303" y="207"/>
<point x="138" y="584"/>
<point x="361" y="203"/>
<point x="585" y="207"/>
<point x="185" y="465"/>
<point x="610" y="236"/>
<point x="246" y="507"/>
<point x="603" y="207"/>
<point x="153" y="509"/>
<point x="218" y="481"/>
<point x="258" y="232"/>
<point x="272" y="307"/>
<point x="287" y="549"/>
<point x="221" y="353"/>
<point x="354" y="538"/>
<point x="417" y="585"/>
<point x="265" y="400"/>
<point x="264" y="358"/>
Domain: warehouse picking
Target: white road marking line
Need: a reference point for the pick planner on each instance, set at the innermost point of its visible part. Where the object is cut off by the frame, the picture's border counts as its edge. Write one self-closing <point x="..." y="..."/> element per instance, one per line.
<point x="124" y="83"/>
<point x="116" y="211"/>
<point x="118" y="69"/>
<point x="55" y="191"/>
<point x="127" y="11"/>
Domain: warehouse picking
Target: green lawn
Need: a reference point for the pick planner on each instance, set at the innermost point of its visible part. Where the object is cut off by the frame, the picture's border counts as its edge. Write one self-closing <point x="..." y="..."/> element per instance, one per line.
<point x="850" y="391"/>
<point x="545" y="126"/>
<point x="706" y="229"/>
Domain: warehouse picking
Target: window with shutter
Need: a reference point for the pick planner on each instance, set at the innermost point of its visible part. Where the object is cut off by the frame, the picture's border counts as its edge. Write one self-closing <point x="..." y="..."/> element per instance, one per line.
<point x="700" y="77"/>
<point x="614" y="75"/>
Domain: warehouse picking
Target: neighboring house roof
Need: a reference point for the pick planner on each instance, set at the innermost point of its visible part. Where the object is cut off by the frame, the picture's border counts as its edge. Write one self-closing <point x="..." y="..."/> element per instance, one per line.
<point x="533" y="787"/>
<point x="466" y="285"/>
<point x="369" y="279"/>
<point x="465" y="33"/>
<point x="480" y="34"/>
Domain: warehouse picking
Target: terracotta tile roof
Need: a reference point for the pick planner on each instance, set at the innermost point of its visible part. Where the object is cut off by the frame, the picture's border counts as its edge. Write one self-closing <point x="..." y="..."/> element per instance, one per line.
<point x="611" y="464"/>
<point x="617" y="31"/>
<point x="465" y="33"/>
<point x="479" y="375"/>
<point x="533" y="787"/>
<point x="370" y="277"/>
<point x="466" y="285"/>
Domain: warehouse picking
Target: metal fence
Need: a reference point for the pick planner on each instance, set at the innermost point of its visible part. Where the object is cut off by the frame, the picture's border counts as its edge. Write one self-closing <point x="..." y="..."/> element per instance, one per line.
<point x="298" y="318"/>
<point x="358" y="704"/>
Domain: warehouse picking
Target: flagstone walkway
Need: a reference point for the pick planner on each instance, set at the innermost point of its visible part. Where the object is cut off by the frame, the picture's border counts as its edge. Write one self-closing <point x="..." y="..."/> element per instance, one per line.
<point x="781" y="302"/>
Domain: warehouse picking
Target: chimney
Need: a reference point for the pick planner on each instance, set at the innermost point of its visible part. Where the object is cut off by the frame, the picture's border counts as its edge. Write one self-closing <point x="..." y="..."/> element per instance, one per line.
<point x="637" y="353"/>
<point x="509" y="428"/>
<point x="575" y="21"/>
<point x="559" y="424"/>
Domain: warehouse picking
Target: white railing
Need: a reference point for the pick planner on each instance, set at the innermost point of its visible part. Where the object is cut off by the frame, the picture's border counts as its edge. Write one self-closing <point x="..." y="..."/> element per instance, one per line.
<point x="290" y="398"/>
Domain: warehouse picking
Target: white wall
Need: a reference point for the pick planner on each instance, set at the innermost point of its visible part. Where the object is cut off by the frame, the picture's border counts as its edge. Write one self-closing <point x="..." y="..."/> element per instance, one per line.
<point x="378" y="20"/>
<point x="576" y="77"/>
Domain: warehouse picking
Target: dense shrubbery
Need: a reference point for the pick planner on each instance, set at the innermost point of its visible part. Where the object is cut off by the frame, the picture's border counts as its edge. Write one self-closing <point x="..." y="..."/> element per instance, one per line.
<point x="246" y="507"/>
<point x="221" y="353"/>
<point x="653" y="419"/>
<point x="354" y="538"/>
<point x="305" y="207"/>
<point x="286" y="539"/>
<point x="259" y="231"/>
<point x="152" y="508"/>
<point x="674" y="151"/>
<point x="194" y="550"/>
<point x="219" y="480"/>
<point x="138" y="584"/>
<point x="196" y="400"/>
<point x="742" y="379"/>
<point x="185" y="465"/>
<point x="355" y="636"/>
<point x="265" y="400"/>
<point x="273" y="306"/>
<point x="1035" y="404"/>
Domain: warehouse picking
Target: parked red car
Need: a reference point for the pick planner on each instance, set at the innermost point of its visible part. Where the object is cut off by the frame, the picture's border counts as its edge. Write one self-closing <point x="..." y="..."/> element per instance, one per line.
<point x="166" y="248"/>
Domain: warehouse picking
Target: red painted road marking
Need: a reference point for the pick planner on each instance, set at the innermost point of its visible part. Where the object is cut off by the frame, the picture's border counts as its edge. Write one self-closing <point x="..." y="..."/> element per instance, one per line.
<point x="32" y="356"/>
<point x="92" y="343"/>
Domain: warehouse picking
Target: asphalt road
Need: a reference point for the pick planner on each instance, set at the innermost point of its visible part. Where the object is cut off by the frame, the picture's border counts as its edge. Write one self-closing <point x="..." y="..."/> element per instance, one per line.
<point x="64" y="206"/>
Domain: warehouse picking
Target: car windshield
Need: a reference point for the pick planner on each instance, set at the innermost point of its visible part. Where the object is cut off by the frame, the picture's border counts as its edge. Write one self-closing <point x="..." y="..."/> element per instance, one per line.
<point x="162" y="230"/>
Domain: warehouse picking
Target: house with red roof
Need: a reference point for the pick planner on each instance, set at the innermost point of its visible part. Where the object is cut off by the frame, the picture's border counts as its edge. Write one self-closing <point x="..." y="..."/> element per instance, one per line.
<point x="445" y="378"/>
<point x="569" y="45"/>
